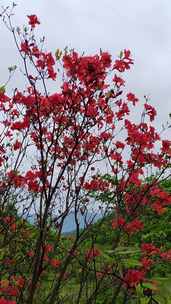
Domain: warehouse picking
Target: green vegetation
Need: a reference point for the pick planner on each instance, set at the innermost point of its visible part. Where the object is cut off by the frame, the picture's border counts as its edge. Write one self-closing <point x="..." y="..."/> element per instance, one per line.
<point x="80" y="278"/>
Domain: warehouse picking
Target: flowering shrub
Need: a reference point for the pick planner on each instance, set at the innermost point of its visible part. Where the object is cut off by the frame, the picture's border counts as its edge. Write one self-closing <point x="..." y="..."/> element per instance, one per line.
<point x="52" y="150"/>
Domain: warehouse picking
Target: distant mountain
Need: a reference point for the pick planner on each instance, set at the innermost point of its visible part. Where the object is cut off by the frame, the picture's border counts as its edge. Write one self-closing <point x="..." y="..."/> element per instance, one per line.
<point x="69" y="222"/>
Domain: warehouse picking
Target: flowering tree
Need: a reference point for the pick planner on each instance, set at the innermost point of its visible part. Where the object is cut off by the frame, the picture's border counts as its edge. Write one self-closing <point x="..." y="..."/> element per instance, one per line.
<point x="66" y="152"/>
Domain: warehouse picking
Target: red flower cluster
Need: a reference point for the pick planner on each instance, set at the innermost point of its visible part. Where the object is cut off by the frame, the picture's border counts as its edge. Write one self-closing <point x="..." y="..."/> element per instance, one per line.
<point x="119" y="82"/>
<point x="133" y="277"/>
<point x="17" y="145"/>
<point x="166" y="256"/>
<point x="134" y="226"/>
<point x="96" y="184"/>
<point x="161" y="199"/>
<point x="124" y="63"/>
<point x="150" y="111"/>
<point x="119" y="223"/>
<point x="92" y="253"/>
<point x="146" y="263"/>
<point x="131" y="97"/>
<point x="90" y="70"/>
<point x="149" y="249"/>
<point x="10" y="221"/>
<point x="131" y="227"/>
<point x="55" y="263"/>
<point x="4" y="301"/>
<point x="44" y="61"/>
<point x="12" y="291"/>
<point x="166" y="146"/>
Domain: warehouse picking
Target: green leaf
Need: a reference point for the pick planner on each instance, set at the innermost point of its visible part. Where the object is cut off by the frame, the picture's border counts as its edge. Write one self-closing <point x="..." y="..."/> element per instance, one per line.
<point x="2" y="89"/>
<point x="121" y="54"/>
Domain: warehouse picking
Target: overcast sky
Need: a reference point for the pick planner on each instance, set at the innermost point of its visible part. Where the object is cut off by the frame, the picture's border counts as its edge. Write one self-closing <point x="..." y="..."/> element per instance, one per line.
<point x="144" y="27"/>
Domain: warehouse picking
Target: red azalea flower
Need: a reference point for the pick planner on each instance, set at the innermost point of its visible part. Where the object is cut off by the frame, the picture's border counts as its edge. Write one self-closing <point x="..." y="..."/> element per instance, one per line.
<point x="150" y="111"/>
<point x="25" y="48"/>
<point x="92" y="253"/>
<point x="146" y="263"/>
<point x="4" y="301"/>
<point x="134" y="226"/>
<point x="131" y="97"/>
<point x="33" y="20"/>
<point x="55" y="263"/>
<point x="119" y="223"/>
<point x="149" y="249"/>
<point x="118" y="81"/>
<point x="133" y="277"/>
<point x="17" y="145"/>
<point x="158" y="208"/>
<point x="166" y="255"/>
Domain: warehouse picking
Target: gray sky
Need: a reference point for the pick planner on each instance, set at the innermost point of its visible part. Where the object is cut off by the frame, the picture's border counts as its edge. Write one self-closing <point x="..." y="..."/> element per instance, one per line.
<point x="144" y="27"/>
